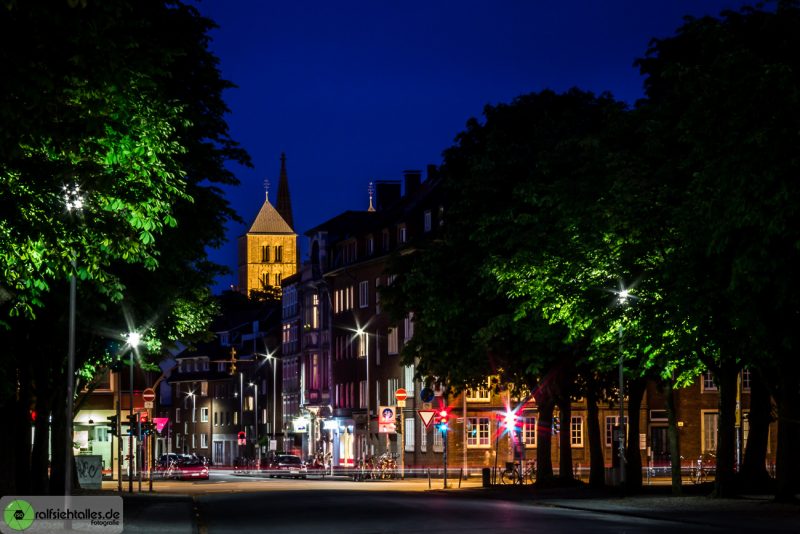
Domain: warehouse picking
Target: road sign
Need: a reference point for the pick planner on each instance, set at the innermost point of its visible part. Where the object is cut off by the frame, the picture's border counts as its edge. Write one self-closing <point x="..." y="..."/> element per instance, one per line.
<point x="426" y="416"/>
<point x="400" y="394"/>
<point x="148" y="405"/>
<point x="386" y="419"/>
<point x="426" y="395"/>
<point x="401" y="404"/>
<point x="149" y="395"/>
<point x="160" y="422"/>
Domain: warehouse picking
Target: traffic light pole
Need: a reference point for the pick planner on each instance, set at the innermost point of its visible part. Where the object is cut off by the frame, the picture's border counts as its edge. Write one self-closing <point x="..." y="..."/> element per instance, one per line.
<point x="444" y="456"/>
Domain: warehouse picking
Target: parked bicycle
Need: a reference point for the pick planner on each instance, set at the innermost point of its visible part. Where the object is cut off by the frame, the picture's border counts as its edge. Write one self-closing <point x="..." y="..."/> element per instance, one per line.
<point x="703" y="468"/>
<point x="514" y="473"/>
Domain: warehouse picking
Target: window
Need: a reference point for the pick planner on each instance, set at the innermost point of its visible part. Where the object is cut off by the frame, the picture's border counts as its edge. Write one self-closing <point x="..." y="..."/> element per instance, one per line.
<point x="408" y="379"/>
<point x="362" y="394"/>
<point x="216" y="419"/>
<point x="177" y="415"/>
<point x="265" y="279"/>
<point x="401" y="234"/>
<point x="194" y="442"/>
<point x="708" y="381"/>
<point x="408" y="430"/>
<point x="409" y="326"/>
<point x="363" y="348"/>
<point x="478" y="432"/>
<point x="370" y="245"/>
<point x="391" y="337"/>
<point x="611" y="422"/>
<point x="204" y="441"/>
<point x="423" y="439"/>
<point x="710" y="422"/>
<point x="265" y="254"/>
<point x="392" y="385"/>
<point x="529" y="431"/>
<point x="278" y="254"/>
<point x="427" y="220"/>
<point x="479" y="394"/>
<point x="746" y="378"/>
<point x="235" y="418"/>
<point x="438" y="442"/>
<point x="204" y="385"/>
<point x="576" y="431"/>
<point x="204" y="415"/>
<point x="363" y="294"/>
<point x="278" y="278"/>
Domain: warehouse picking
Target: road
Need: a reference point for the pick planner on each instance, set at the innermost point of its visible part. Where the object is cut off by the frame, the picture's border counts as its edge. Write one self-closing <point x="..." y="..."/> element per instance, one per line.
<point x="234" y="504"/>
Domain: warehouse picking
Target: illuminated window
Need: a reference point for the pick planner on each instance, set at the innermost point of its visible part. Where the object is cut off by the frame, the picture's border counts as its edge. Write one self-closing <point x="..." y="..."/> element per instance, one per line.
<point x="710" y="422"/>
<point x="204" y="415"/>
<point x="529" y="431"/>
<point x="392" y="341"/>
<point x="708" y="381"/>
<point x="438" y="442"/>
<point x="423" y="439"/>
<point x="203" y="441"/>
<point x="363" y="294"/>
<point x="479" y="394"/>
<point x="576" y="432"/>
<point x="478" y="432"/>
<point x="408" y="429"/>
<point x="746" y="378"/>
<point x="408" y="379"/>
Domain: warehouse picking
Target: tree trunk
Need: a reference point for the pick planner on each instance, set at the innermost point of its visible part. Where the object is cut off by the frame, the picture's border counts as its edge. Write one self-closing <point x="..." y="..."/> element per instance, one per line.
<point x="633" y="456"/>
<point x="754" y="472"/>
<point x="672" y="436"/>
<point x="565" y="451"/>
<point x="787" y="464"/>
<point x="725" y="481"/>
<point x="22" y="431"/>
<point x="597" y="467"/>
<point x="57" y="444"/>
<point x="544" y="437"/>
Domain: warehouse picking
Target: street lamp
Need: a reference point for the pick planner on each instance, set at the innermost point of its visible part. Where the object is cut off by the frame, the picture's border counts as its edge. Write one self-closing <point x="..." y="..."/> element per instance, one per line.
<point x="363" y="347"/>
<point x="73" y="201"/>
<point x="194" y="418"/>
<point x="255" y="419"/>
<point x="622" y="298"/>
<point x="273" y="360"/>
<point x="133" y="339"/>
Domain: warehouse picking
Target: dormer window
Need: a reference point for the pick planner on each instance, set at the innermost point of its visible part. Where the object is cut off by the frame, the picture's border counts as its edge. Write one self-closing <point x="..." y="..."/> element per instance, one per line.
<point x="401" y="234"/>
<point x="370" y="245"/>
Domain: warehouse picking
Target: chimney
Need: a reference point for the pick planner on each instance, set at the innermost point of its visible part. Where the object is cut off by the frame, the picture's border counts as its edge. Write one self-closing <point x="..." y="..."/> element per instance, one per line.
<point x="413" y="180"/>
<point x="387" y="193"/>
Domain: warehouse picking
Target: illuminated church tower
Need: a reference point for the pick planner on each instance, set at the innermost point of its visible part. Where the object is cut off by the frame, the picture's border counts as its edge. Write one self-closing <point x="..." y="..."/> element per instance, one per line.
<point x="268" y="251"/>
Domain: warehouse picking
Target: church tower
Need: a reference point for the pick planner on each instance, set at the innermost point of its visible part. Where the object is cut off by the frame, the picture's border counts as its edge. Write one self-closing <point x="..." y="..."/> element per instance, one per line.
<point x="268" y="252"/>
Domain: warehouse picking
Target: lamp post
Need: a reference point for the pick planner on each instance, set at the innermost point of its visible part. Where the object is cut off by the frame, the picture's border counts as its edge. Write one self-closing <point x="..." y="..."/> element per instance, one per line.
<point x="273" y="360"/>
<point x="255" y="419"/>
<point x="73" y="200"/>
<point x="194" y="418"/>
<point x="363" y="346"/>
<point x="133" y="341"/>
<point x="622" y="297"/>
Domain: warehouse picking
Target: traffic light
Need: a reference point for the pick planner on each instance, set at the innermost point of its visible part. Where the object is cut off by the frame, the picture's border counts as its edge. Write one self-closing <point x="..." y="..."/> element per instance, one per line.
<point x="556" y="425"/>
<point x="512" y="422"/>
<point x="114" y="422"/>
<point x="443" y="418"/>
<point x="134" y="426"/>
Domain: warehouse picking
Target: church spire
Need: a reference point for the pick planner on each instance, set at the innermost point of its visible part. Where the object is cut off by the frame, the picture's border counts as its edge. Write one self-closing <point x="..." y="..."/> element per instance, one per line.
<point x="284" y="202"/>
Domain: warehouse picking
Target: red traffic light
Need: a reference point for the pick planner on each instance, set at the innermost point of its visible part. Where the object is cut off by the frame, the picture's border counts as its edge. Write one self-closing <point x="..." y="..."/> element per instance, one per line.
<point x="241" y="435"/>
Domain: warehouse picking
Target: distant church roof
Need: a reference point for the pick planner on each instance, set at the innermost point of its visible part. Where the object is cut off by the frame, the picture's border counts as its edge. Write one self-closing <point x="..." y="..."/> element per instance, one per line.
<point x="269" y="219"/>
<point x="284" y="203"/>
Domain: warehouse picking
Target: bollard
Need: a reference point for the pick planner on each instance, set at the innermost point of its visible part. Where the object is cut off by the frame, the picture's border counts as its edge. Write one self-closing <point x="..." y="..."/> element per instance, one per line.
<point x="486" y="475"/>
<point x="460" y="477"/>
<point x="429" y="478"/>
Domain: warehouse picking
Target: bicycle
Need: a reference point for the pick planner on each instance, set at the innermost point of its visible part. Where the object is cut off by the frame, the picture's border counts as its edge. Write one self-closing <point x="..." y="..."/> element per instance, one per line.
<point x="515" y="474"/>
<point x="702" y="468"/>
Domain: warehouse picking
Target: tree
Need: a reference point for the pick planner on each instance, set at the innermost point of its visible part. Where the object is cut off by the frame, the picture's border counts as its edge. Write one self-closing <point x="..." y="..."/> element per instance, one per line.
<point x="123" y="100"/>
<point x="723" y="101"/>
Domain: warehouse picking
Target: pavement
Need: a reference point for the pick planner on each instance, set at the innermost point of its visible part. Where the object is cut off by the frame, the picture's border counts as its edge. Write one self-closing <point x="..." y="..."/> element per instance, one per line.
<point x="166" y="509"/>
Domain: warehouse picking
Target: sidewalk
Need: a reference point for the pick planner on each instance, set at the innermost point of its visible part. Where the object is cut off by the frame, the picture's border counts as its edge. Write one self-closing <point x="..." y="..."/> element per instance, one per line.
<point x="757" y="513"/>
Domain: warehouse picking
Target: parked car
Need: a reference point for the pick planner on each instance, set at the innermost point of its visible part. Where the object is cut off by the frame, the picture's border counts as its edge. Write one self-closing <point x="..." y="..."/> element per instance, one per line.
<point x="181" y="467"/>
<point x="286" y="465"/>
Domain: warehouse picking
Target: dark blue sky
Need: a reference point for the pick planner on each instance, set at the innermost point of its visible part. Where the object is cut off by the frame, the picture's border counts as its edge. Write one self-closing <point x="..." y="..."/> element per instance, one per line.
<point x="354" y="91"/>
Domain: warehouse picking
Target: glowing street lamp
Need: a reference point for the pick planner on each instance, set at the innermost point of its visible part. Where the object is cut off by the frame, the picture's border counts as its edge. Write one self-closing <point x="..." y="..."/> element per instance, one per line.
<point x="73" y="201"/>
<point x="133" y="339"/>
<point x="623" y="295"/>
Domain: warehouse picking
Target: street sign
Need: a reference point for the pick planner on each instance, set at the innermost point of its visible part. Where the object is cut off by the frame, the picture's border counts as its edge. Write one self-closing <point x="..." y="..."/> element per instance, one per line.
<point x="386" y="419"/>
<point x="400" y="394"/>
<point x="401" y="404"/>
<point x="426" y="395"/>
<point x="149" y="395"/>
<point x="426" y="416"/>
<point x="160" y="422"/>
<point x="148" y="405"/>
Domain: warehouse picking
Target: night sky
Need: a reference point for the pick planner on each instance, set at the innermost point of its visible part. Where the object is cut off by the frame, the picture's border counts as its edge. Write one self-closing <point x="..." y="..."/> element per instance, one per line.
<point x="354" y="91"/>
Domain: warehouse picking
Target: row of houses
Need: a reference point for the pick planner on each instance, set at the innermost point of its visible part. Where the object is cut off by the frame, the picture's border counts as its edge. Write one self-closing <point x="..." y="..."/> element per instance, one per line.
<point x="313" y="375"/>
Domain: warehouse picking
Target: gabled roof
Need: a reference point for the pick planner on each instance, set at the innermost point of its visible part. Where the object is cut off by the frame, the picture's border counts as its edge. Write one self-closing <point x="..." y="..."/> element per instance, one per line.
<point x="269" y="221"/>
